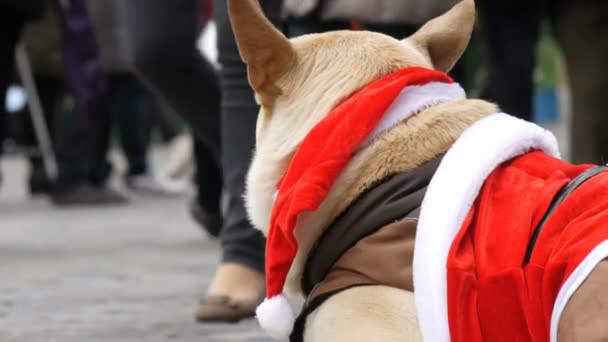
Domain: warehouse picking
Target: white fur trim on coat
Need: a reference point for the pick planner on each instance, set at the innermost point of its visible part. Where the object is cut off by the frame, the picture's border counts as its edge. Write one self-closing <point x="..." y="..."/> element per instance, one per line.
<point x="449" y="197"/>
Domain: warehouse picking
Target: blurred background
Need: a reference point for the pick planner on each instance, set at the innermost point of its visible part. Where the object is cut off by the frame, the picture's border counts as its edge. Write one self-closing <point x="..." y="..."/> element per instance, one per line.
<point x="126" y="128"/>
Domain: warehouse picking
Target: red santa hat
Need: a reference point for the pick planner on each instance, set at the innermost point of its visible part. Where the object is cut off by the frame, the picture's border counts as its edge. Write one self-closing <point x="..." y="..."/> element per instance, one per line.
<point x="320" y="159"/>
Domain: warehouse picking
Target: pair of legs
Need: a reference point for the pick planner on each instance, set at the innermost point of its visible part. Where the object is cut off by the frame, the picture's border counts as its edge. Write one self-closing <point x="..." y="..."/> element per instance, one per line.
<point x="511" y="32"/>
<point x="127" y="104"/>
<point x="222" y="112"/>
<point x="81" y="159"/>
<point x="11" y="26"/>
<point x="80" y="181"/>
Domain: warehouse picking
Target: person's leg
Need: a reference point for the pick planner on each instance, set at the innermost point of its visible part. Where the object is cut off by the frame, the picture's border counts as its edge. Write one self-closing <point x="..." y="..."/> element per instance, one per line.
<point x="166" y="120"/>
<point x="163" y="36"/>
<point x="80" y="133"/>
<point x="130" y="108"/>
<point x="99" y="130"/>
<point x="237" y="286"/>
<point x="582" y="32"/>
<point x="205" y="208"/>
<point x="510" y="32"/>
<point x="11" y="25"/>
<point x="81" y="146"/>
<point x="130" y="111"/>
<point x="51" y="91"/>
<point x="240" y="242"/>
<point x="81" y="143"/>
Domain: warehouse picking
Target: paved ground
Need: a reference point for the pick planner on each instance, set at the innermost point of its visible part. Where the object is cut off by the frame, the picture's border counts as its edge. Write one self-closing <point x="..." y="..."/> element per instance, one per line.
<point x="120" y="275"/>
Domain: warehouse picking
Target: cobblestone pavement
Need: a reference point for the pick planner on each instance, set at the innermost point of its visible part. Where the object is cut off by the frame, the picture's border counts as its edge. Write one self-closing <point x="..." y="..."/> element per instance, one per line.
<point x="112" y="275"/>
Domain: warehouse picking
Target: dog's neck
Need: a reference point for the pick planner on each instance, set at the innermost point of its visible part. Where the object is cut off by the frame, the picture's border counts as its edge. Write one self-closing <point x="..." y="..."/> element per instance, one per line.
<point x="401" y="148"/>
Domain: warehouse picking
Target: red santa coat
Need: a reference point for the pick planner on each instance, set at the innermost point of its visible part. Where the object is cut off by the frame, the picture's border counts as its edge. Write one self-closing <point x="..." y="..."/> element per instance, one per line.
<point x="472" y="283"/>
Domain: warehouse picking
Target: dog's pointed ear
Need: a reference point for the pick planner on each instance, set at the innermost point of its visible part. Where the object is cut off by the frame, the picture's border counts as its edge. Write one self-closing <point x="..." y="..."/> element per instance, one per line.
<point x="265" y="50"/>
<point x="445" y="38"/>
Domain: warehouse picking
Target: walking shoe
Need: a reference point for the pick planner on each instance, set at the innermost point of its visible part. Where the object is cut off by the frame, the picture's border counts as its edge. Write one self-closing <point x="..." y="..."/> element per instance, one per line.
<point x="234" y="294"/>
<point x="86" y="195"/>
<point x="148" y="185"/>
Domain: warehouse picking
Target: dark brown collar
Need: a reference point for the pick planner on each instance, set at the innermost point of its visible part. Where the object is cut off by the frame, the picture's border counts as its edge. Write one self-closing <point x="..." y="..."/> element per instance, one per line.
<point x="395" y="198"/>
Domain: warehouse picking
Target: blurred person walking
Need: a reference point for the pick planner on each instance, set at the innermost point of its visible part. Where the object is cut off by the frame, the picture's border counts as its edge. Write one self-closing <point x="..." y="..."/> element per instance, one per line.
<point x="126" y="103"/>
<point x="13" y="16"/>
<point x="163" y="38"/>
<point x="81" y="180"/>
<point x="42" y="42"/>
<point x="169" y="62"/>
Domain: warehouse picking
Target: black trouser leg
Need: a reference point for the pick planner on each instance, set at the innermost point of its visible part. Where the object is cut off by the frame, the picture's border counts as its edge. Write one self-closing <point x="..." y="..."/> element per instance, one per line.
<point x="240" y="242"/>
<point x="163" y="36"/>
<point x="130" y="108"/>
<point x="510" y="32"/>
<point x="208" y="179"/>
<point x="11" y="24"/>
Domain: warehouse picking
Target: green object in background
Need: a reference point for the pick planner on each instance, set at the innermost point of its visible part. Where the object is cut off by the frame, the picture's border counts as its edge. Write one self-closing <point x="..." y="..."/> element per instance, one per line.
<point x="547" y="60"/>
<point x="546" y="78"/>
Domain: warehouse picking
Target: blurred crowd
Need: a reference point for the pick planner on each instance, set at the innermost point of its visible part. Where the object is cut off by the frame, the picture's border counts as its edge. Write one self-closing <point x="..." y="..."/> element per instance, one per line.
<point x="71" y="91"/>
<point x="84" y="76"/>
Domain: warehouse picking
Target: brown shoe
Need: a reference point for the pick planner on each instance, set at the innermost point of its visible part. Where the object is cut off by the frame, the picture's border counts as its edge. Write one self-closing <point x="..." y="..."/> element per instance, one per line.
<point x="225" y="309"/>
<point x="234" y="294"/>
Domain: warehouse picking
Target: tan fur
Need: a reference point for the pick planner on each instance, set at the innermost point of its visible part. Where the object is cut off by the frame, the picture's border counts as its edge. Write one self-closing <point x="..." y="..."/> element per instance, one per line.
<point x="365" y="314"/>
<point x="297" y="92"/>
<point x="317" y="84"/>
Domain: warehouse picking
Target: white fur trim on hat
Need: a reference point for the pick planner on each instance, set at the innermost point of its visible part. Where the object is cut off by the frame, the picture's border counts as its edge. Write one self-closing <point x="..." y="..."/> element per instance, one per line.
<point x="413" y="100"/>
<point x="276" y="317"/>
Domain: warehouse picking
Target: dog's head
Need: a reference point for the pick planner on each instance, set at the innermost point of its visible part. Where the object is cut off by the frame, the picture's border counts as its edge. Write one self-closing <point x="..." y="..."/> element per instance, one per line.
<point x="299" y="81"/>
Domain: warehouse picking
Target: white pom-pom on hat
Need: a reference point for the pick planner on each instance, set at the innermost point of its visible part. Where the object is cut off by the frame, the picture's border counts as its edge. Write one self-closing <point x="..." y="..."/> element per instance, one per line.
<point x="276" y="317"/>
